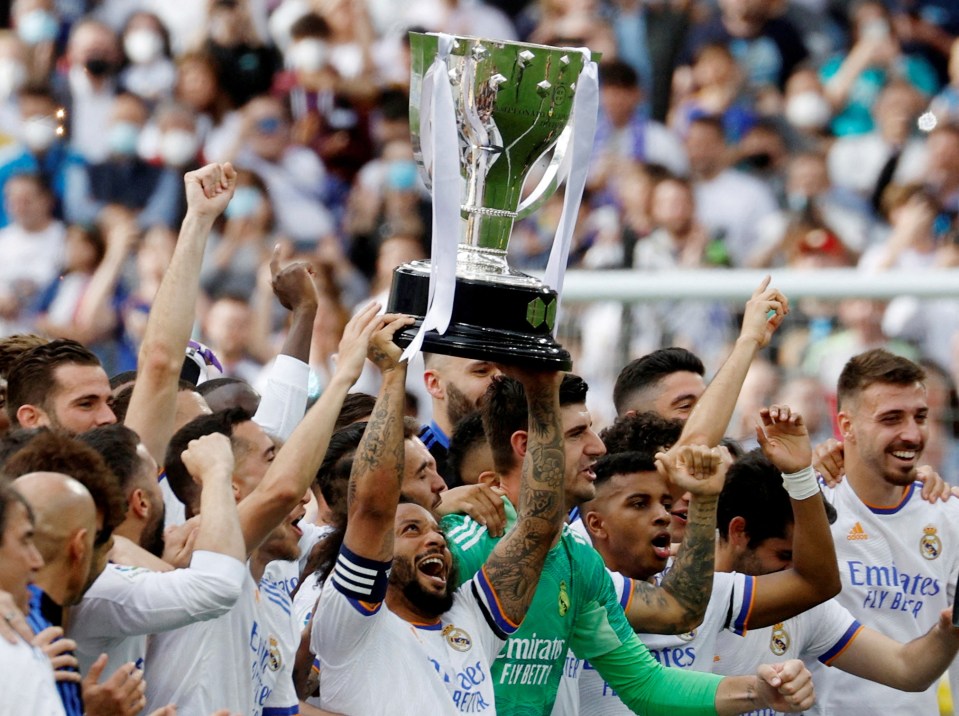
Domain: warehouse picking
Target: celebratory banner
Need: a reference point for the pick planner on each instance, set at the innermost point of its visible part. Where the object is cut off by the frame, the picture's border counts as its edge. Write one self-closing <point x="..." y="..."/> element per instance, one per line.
<point x="483" y="113"/>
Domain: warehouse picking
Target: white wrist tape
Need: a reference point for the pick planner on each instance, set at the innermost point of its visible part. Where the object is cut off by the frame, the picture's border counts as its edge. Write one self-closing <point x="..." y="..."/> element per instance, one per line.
<point x="802" y="484"/>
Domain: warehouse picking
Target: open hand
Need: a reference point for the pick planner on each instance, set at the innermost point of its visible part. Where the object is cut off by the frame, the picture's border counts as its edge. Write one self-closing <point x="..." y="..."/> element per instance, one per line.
<point x="784" y="438"/>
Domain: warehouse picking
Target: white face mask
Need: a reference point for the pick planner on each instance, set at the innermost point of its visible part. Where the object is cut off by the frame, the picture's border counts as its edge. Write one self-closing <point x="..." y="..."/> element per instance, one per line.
<point x="12" y="76"/>
<point x="38" y="133"/>
<point x="178" y="147"/>
<point x="143" y="46"/>
<point x="308" y="55"/>
<point x="808" y="110"/>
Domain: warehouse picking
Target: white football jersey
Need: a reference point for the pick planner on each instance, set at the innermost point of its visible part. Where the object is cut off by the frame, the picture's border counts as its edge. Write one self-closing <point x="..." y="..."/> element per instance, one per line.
<point x="224" y="663"/>
<point x="819" y="634"/>
<point x="728" y="608"/>
<point x="125" y="604"/>
<point x="26" y="681"/>
<point x="282" y="640"/>
<point x="898" y="566"/>
<point x="373" y="662"/>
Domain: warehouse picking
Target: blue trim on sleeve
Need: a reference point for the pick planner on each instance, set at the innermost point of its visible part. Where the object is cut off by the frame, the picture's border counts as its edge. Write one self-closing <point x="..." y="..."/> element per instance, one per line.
<point x="281" y="710"/>
<point x="360" y="578"/>
<point x="749" y="593"/>
<point x="502" y="625"/>
<point x="627" y="592"/>
<point x="843" y="642"/>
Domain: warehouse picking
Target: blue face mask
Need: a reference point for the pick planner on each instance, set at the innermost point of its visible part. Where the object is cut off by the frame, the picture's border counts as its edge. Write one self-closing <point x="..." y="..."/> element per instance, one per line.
<point x="124" y="137"/>
<point x="38" y="26"/>
<point x="401" y="175"/>
<point x="244" y="204"/>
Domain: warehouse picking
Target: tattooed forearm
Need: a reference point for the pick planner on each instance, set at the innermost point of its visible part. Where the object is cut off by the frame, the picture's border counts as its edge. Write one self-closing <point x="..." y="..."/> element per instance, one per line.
<point x="690" y="581"/>
<point x="378" y="465"/>
<point x="515" y="564"/>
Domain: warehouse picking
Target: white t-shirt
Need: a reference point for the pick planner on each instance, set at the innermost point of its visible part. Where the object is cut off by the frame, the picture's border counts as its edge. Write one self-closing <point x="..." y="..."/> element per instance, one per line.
<point x="374" y="662"/>
<point x="898" y="567"/>
<point x="28" y="685"/>
<point x="821" y="633"/>
<point x="734" y="203"/>
<point x="583" y="691"/>
<point x="125" y="604"/>
<point x="224" y="663"/>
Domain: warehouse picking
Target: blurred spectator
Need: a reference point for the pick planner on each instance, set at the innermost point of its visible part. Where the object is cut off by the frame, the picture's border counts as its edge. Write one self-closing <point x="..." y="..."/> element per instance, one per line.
<point x="38" y="25"/>
<point x="70" y="306"/>
<point x="150" y="72"/>
<point x="226" y="329"/>
<point x="235" y="254"/>
<point x="245" y="64"/>
<point x="126" y="180"/>
<point x="623" y="131"/>
<point x="42" y="150"/>
<point x="805" y="396"/>
<point x="945" y="105"/>
<point x="766" y="45"/>
<point x="13" y="75"/>
<point x="729" y="203"/>
<point x="812" y="203"/>
<point x="806" y="108"/>
<point x="716" y="90"/>
<point x="295" y="177"/>
<point x="198" y="87"/>
<point x="866" y="163"/>
<point x="87" y="89"/>
<point x="31" y="246"/>
<point x="854" y="81"/>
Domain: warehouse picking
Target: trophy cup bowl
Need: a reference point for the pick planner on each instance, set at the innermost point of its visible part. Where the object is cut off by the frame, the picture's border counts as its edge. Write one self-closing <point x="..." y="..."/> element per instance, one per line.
<point x="513" y="103"/>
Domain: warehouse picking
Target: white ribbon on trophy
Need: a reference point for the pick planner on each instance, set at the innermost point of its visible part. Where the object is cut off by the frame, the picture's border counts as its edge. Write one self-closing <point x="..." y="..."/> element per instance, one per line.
<point x="441" y="152"/>
<point x="585" y="113"/>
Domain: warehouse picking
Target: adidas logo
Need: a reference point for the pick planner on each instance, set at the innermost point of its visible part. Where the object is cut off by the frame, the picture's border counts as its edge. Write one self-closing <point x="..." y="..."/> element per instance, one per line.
<point x="857" y="532"/>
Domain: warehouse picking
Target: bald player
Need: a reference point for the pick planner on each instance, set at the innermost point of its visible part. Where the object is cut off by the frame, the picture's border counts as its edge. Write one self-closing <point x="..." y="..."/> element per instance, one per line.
<point x="456" y="386"/>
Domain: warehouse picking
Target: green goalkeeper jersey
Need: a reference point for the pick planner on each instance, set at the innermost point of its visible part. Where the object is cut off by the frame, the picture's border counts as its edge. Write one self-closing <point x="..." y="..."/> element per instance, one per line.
<point x="575" y="606"/>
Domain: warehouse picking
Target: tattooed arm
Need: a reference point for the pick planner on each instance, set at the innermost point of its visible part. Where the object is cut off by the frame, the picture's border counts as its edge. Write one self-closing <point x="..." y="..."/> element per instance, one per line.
<point x="679" y="604"/>
<point x="377" y="473"/>
<point x="296" y="463"/>
<point x="513" y="568"/>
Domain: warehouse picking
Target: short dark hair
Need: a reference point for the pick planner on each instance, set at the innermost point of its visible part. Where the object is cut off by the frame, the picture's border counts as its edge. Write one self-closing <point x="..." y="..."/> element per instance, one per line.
<point x="333" y="475"/>
<point x="178" y="477"/>
<point x="644" y="432"/>
<point x="15" y="440"/>
<point x="12" y="347"/>
<point x="876" y="366"/>
<point x="117" y="445"/>
<point x="467" y="434"/>
<point x="754" y="491"/>
<point x="357" y="407"/>
<point x="310" y="25"/>
<point x="54" y="452"/>
<point x="622" y="463"/>
<point x="641" y="373"/>
<point x="31" y="377"/>
<point x="505" y="411"/>
<point x="124" y="376"/>
<point x="616" y="73"/>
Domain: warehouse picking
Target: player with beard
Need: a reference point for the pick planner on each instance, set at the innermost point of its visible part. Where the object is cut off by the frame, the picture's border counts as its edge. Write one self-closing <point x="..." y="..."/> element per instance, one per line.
<point x="456" y="386"/>
<point x="403" y="641"/>
<point x="126" y="604"/>
<point x="898" y="554"/>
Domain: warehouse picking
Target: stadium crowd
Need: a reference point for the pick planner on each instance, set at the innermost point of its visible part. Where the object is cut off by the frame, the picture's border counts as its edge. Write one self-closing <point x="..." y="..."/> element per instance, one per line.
<point x="222" y="491"/>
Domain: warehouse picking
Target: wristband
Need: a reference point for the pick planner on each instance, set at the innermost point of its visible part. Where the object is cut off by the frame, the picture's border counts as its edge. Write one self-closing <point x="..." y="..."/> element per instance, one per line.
<point x="802" y="484"/>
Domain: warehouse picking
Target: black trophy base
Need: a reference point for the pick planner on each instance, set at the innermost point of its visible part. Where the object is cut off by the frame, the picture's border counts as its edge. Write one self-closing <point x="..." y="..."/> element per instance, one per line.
<point x="503" y="323"/>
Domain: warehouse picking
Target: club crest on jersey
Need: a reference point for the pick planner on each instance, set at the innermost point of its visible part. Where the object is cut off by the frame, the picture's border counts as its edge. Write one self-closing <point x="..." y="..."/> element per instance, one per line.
<point x="930" y="546"/>
<point x="457" y="638"/>
<point x="563" y="599"/>
<point x="276" y="658"/>
<point x="779" y="641"/>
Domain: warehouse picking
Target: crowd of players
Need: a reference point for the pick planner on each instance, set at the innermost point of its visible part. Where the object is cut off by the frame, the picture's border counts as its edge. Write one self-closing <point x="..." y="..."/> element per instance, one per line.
<point x="155" y="553"/>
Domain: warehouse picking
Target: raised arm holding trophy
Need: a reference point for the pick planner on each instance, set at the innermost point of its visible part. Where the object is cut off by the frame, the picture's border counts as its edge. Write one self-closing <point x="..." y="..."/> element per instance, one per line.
<point x="483" y="113"/>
